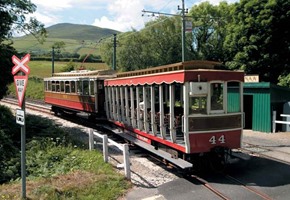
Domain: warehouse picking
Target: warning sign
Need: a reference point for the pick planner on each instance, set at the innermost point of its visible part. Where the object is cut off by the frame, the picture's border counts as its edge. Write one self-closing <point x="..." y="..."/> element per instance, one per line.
<point x="20" y="65"/>
<point x="20" y="85"/>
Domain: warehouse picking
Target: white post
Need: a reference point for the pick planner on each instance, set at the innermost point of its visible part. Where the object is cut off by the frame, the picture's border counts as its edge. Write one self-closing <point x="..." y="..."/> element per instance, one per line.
<point x="153" y="122"/>
<point x="274" y="119"/>
<point x="123" y="147"/>
<point x="145" y="113"/>
<point x="127" y="106"/>
<point x="122" y="104"/>
<point x="185" y="116"/>
<point x="139" y="123"/>
<point x="126" y="161"/>
<point x="110" y="111"/>
<point x="114" y="103"/>
<point x="118" y="104"/>
<point x="133" y="121"/>
<point x="107" y="102"/>
<point x="171" y="111"/>
<point x="105" y="148"/>
<point x="161" y="111"/>
<point x="91" y="139"/>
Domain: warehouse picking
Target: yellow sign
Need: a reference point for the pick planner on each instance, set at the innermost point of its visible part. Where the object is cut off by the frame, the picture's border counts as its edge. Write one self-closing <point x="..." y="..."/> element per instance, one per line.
<point x="251" y="79"/>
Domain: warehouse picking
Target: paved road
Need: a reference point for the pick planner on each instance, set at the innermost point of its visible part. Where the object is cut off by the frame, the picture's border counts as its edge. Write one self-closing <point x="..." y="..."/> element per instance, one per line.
<point x="270" y="177"/>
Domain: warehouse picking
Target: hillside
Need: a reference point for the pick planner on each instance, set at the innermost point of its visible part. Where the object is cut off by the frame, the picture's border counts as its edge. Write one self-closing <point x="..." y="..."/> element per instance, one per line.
<point x="79" y="39"/>
<point x="78" y="32"/>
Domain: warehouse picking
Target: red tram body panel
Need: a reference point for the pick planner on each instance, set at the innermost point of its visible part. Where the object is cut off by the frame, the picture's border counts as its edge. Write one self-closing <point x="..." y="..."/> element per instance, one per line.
<point x="71" y="101"/>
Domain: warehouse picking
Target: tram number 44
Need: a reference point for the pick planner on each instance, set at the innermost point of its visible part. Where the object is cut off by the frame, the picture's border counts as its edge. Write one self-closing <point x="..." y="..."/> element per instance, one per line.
<point x="214" y="140"/>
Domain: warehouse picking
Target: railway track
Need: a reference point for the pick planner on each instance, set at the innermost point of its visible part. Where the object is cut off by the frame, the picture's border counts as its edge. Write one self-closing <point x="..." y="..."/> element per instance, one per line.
<point x="271" y="153"/>
<point x="221" y="193"/>
<point x="33" y="105"/>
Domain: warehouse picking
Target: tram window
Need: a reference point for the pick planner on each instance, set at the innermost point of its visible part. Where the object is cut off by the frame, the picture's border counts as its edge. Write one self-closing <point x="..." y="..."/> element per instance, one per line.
<point x="53" y="86"/>
<point x="86" y="87"/>
<point x="100" y="85"/>
<point x="92" y="88"/>
<point x="45" y="85"/>
<point x="61" y="86"/>
<point x="57" y="86"/>
<point x="67" y="87"/>
<point x="73" y="86"/>
<point x="197" y="105"/>
<point x="48" y="86"/>
<point x="79" y="87"/>
<point x="217" y="96"/>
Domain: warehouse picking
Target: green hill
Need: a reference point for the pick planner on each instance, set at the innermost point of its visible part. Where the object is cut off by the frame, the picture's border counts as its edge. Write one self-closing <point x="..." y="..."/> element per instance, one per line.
<point x="79" y="39"/>
<point x="78" y="32"/>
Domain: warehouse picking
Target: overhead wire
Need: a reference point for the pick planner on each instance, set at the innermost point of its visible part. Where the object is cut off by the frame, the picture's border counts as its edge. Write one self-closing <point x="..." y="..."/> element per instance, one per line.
<point x="121" y="36"/>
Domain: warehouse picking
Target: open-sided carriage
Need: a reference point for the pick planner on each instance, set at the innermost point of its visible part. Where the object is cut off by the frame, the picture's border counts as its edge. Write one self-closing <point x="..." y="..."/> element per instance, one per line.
<point x="187" y="109"/>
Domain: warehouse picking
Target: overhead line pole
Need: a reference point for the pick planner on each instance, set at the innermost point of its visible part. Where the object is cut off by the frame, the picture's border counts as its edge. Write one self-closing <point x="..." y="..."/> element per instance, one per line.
<point x="183" y="29"/>
<point x="183" y="11"/>
<point x="114" y="52"/>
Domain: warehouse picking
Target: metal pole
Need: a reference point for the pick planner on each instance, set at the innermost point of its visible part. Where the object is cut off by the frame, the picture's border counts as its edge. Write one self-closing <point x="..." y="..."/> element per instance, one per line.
<point x="52" y="67"/>
<point x="183" y="31"/>
<point x="114" y="52"/>
<point x="23" y="157"/>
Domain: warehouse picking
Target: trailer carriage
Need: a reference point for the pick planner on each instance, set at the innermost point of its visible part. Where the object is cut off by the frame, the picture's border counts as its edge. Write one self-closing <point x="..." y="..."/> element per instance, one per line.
<point x="77" y="91"/>
<point x="188" y="108"/>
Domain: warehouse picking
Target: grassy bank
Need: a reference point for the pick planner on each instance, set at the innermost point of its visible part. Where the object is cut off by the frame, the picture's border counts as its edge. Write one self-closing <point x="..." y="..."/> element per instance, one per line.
<point x="59" y="164"/>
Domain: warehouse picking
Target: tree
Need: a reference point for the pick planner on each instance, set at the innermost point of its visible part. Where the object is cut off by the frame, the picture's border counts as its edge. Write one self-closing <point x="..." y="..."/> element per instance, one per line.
<point x="157" y="44"/>
<point x="209" y="30"/>
<point x="58" y="46"/>
<point x="13" y="20"/>
<point x="259" y="38"/>
<point x="6" y="53"/>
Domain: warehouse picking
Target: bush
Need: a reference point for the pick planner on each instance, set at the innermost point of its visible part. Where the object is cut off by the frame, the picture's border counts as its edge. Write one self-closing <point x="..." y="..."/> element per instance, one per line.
<point x="9" y="146"/>
<point x="69" y="67"/>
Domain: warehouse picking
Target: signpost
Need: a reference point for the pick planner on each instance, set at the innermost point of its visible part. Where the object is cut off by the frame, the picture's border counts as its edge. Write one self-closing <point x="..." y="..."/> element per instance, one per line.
<point x="20" y="84"/>
<point x="21" y="72"/>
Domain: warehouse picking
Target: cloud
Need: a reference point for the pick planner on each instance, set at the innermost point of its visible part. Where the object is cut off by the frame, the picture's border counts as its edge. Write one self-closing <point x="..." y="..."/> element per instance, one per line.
<point x="48" y="5"/>
<point x="122" y="15"/>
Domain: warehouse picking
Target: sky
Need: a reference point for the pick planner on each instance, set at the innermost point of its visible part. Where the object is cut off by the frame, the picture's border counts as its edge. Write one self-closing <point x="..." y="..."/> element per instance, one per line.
<point x="121" y="15"/>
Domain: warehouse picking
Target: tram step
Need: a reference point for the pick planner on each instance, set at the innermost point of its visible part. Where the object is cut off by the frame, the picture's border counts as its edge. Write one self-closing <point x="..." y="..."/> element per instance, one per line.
<point x="167" y="156"/>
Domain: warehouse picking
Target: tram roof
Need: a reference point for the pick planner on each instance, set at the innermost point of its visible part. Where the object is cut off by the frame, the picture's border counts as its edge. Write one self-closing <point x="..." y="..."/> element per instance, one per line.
<point x="82" y="74"/>
<point x="179" y="73"/>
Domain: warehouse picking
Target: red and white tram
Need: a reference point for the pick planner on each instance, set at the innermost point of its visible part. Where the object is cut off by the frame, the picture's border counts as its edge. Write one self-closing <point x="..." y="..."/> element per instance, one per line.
<point x="186" y="109"/>
<point x="77" y="91"/>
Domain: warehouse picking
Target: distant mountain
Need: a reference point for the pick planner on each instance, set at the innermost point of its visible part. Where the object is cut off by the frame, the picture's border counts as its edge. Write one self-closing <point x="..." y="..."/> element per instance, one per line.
<point x="78" y="38"/>
<point x="78" y="32"/>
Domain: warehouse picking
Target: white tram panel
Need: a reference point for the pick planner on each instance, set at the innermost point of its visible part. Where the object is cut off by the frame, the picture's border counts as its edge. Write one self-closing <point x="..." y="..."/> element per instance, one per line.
<point x="198" y="88"/>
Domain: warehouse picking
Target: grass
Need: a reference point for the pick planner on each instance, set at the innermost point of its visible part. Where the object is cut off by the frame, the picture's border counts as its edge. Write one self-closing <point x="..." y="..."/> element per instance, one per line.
<point x="88" y="178"/>
<point x="60" y="166"/>
<point x="42" y="69"/>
